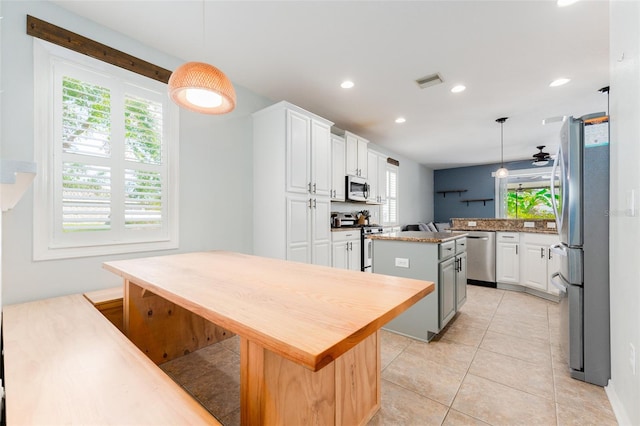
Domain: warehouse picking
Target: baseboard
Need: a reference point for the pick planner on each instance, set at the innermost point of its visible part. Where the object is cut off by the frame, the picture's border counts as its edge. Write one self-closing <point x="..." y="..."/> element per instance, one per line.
<point x="532" y="291"/>
<point x="618" y="409"/>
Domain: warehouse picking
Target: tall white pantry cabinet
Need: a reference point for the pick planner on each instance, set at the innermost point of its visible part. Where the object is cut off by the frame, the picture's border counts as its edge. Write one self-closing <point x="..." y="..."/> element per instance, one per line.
<point x="292" y="184"/>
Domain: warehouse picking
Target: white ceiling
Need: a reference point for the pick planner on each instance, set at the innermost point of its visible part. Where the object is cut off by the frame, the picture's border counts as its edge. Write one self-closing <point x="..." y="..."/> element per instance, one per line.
<point x="505" y="52"/>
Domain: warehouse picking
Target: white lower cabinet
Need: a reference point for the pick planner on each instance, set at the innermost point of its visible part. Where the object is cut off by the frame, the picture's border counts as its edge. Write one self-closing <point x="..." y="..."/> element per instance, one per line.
<point x="308" y="237"/>
<point x="346" y="250"/>
<point x="526" y="259"/>
<point x="508" y="257"/>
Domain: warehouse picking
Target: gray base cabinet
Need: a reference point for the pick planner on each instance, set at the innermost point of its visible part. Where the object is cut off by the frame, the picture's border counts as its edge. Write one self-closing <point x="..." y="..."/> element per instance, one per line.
<point x="443" y="263"/>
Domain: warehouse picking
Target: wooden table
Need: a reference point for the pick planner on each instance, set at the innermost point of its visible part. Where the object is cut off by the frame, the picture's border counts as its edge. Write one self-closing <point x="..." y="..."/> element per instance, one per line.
<point x="310" y="347"/>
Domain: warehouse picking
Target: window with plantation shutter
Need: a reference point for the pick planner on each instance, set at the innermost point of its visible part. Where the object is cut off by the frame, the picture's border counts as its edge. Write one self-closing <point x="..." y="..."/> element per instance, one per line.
<point x="390" y="207"/>
<point x="107" y="147"/>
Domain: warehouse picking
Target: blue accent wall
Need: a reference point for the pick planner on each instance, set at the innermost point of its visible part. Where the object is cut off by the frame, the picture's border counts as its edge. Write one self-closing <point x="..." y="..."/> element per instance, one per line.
<point x="478" y="182"/>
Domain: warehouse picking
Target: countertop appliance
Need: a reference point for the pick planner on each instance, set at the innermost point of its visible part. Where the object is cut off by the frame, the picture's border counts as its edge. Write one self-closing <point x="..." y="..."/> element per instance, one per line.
<point x="357" y="188"/>
<point x="366" y="245"/>
<point x="481" y="258"/>
<point x="581" y="168"/>
<point x="339" y="220"/>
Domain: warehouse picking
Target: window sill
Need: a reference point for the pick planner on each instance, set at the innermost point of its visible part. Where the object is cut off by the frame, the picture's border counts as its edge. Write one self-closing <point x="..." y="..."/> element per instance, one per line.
<point x="103" y="250"/>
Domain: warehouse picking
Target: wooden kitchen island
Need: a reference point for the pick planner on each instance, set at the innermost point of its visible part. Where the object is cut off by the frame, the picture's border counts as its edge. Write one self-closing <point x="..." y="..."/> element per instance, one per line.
<point x="310" y="346"/>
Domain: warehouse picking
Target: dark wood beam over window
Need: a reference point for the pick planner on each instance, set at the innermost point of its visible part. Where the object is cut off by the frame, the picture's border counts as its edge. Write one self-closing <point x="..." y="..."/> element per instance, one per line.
<point x="70" y="40"/>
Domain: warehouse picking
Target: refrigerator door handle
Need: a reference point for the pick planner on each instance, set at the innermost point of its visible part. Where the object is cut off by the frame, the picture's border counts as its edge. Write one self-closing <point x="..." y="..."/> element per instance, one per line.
<point x="559" y="249"/>
<point x="556" y="280"/>
<point x="552" y="188"/>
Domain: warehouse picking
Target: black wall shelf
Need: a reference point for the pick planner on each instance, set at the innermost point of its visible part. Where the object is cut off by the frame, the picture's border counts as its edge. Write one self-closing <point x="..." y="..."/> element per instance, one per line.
<point x="477" y="200"/>
<point x="444" y="193"/>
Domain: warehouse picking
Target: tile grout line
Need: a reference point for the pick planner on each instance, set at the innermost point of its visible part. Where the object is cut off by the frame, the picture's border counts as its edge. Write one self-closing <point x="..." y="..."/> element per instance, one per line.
<point x="471" y="363"/>
<point x="553" y="373"/>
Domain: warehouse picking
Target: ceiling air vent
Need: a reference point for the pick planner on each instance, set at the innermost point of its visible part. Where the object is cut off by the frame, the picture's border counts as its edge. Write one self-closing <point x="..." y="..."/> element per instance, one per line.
<point x="430" y="80"/>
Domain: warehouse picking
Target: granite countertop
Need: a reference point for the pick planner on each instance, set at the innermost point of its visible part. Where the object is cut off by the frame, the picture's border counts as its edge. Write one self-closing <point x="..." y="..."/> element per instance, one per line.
<point x="419" y="236"/>
<point x="539" y="226"/>
<point x="346" y="228"/>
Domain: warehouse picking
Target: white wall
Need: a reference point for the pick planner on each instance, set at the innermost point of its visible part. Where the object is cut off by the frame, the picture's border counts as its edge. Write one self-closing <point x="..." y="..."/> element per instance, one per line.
<point x="624" y="388"/>
<point x="215" y="166"/>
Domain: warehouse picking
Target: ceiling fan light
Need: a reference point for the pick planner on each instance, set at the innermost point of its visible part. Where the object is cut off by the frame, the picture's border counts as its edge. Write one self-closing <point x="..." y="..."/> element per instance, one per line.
<point x="202" y="88"/>
<point x="540" y="163"/>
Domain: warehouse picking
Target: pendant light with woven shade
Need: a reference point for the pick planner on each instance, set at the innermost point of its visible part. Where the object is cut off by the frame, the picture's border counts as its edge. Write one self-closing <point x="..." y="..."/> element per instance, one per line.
<point x="201" y="87"/>
<point x="502" y="172"/>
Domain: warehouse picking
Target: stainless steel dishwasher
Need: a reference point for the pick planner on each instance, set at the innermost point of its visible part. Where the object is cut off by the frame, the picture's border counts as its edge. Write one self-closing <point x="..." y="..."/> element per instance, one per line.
<point x="481" y="257"/>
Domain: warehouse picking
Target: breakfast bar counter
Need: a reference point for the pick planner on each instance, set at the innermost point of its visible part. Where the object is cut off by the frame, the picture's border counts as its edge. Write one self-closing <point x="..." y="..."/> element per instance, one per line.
<point x="310" y="348"/>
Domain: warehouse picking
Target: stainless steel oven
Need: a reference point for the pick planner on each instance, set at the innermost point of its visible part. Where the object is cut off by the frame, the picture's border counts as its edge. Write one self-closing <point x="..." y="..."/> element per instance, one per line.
<point x="367" y="245"/>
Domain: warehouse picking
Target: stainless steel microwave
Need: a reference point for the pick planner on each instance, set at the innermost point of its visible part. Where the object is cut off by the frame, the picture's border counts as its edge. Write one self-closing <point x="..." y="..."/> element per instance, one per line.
<point x="357" y="188"/>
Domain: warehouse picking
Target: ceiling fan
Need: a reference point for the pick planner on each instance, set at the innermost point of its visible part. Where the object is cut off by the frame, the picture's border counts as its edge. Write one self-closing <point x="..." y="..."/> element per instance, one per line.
<point x="541" y="158"/>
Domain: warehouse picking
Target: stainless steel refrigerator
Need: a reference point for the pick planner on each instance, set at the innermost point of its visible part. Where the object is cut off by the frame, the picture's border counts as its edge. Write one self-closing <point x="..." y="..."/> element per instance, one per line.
<point x="581" y="179"/>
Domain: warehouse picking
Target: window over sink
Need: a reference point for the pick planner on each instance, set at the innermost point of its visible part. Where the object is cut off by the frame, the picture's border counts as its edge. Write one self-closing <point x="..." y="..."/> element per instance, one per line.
<point x="526" y="194"/>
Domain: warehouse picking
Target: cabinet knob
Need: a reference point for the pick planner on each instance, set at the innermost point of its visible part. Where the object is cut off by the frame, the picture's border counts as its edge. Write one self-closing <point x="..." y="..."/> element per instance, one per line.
<point x="309" y="187"/>
<point x="314" y="188"/>
<point x="314" y="203"/>
<point x="542" y="252"/>
<point x="309" y="202"/>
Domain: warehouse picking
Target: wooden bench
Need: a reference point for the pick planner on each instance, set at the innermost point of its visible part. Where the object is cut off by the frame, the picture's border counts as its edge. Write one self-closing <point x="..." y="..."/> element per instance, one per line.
<point x="109" y="303"/>
<point x="66" y="364"/>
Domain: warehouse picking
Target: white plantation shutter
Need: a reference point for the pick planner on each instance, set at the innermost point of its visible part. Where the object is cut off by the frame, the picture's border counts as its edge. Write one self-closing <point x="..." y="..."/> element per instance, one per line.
<point x="143" y="200"/>
<point x="86" y="197"/>
<point x="112" y="184"/>
<point x="390" y="208"/>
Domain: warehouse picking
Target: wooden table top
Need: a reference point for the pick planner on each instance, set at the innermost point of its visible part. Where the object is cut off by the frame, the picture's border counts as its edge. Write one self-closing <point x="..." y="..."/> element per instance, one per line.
<point x="307" y="313"/>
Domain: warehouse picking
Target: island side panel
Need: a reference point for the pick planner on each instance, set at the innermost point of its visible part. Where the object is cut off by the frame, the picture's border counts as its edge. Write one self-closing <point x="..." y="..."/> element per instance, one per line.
<point x="163" y="330"/>
<point x="421" y="320"/>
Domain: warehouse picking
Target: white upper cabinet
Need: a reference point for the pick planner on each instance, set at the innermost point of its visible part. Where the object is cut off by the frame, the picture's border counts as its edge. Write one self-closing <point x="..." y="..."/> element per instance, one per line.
<point x="308" y="155"/>
<point x="372" y="171"/>
<point x="320" y="159"/>
<point x="377" y="177"/>
<point x="382" y="178"/>
<point x="356" y="153"/>
<point x="338" y="171"/>
<point x="298" y="152"/>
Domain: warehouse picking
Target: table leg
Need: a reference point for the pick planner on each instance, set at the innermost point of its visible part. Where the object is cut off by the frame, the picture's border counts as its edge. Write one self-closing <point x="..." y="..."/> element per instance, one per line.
<point x="274" y="390"/>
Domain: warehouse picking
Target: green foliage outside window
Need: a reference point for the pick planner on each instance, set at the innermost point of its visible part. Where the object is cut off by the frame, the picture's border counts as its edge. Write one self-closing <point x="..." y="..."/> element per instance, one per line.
<point x="530" y="203"/>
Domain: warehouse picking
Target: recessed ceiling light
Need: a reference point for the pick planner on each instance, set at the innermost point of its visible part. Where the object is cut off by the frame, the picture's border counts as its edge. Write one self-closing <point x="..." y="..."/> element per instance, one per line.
<point x="457" y="89"/>
<point x="347" y="84"/>
<point x="559" y="82"/>
<point x="400" y="120"/>
<point x="563" y="3"/>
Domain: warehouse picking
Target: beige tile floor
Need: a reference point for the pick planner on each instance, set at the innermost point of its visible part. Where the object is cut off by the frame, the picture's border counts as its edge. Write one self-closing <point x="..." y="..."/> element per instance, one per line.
<point x="497" y="363"/>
